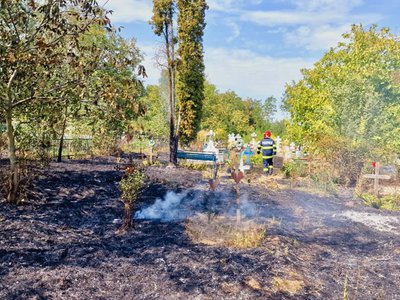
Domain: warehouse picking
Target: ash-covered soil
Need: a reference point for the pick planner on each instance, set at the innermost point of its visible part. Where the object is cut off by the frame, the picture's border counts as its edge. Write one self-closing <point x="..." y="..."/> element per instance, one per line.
<point x="64" y="242"/>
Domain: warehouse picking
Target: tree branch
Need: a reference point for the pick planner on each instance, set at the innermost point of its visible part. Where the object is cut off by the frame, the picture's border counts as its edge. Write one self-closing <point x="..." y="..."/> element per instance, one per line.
<point x="15" y="104"/>
<point x="12" y="22"/>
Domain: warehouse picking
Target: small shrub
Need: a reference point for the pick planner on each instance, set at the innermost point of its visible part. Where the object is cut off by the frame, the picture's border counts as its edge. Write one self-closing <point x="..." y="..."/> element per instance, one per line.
<point x="131" y="186"/>
<point x="389" y="202"/>
<point x="323" y="176"/>
<point x="295" y="168"/>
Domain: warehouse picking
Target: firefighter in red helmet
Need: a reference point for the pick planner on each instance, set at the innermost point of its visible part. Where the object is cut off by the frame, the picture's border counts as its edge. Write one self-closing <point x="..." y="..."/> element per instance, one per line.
<point x="268" y="148"/>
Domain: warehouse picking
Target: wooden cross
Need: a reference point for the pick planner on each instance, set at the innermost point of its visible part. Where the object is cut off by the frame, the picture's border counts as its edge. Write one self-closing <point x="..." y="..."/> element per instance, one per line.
<point x="376" y="178"/>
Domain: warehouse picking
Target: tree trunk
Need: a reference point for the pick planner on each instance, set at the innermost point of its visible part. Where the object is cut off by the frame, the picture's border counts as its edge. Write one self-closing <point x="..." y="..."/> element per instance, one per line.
<point x="61" y="145"/>
<point x="14" y="171"/>
<point x="128" y="222"/>
<point x="170" y="51"/>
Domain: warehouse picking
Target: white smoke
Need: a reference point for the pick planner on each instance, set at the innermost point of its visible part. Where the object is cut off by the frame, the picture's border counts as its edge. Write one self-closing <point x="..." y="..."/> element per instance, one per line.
<point x="180" y="206"/>
<point x="247" y="208"/>
<point x="167" y="209"/>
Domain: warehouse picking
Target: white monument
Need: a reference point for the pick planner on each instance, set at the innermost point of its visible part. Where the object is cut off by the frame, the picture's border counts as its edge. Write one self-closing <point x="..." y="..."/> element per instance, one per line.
<point x="210" y="144"/>
<point x="239" y="142"/>
<point x="253" y="143"/>
<point x="278" y="144"/>
<point x="287" y="153"/>
<point x="292" y="147"/>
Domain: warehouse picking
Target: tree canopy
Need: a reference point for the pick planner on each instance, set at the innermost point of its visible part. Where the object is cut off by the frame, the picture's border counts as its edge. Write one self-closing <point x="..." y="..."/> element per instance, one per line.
<point x="190" y="67"/>
<point x="60" y="59"/>
<point x="350" y="98"/>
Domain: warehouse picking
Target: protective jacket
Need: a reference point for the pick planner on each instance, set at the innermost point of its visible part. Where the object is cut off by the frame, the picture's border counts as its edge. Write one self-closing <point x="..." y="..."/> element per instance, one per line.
<point x="268" y="148"/>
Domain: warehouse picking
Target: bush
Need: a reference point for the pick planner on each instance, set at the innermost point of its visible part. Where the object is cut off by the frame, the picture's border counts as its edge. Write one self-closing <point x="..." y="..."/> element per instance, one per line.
<point x="324" y="176"/>
<point x="389" y="202"/>
<point x="131" y="186"/>
<point x="295" y="168"/>
<point x="256" y="160"/>
<point x="349" y="161"/>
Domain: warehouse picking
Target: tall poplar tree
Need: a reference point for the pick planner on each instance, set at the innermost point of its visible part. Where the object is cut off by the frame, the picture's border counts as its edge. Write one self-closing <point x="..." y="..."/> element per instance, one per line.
<point x="187" y="92"/>
<point x="190" y="67"/>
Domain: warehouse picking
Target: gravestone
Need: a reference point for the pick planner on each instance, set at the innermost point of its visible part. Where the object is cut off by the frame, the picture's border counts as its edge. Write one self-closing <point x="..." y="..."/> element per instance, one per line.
<point x="277" y="162"/>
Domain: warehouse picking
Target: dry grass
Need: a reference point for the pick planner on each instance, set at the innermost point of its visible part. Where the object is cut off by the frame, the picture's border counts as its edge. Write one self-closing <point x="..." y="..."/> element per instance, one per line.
<point x="224" y="231"/>
<point x="230" y="288"/>
<point x="289" y="286"/>
<point x="269" y="182"/>
<point x="253" y="283"/>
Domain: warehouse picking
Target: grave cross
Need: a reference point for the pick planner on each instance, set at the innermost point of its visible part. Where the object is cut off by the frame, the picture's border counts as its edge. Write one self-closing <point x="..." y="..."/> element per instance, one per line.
<point x="248" y="153"/>
<point x="376" y="177"/>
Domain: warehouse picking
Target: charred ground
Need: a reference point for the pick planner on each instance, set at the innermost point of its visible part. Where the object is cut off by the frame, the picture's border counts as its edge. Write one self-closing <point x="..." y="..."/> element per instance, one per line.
<point x="63" y="244"/>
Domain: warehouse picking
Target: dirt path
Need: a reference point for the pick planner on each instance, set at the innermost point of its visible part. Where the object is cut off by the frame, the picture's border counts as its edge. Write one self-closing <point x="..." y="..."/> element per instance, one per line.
<point x="65" y="246"/>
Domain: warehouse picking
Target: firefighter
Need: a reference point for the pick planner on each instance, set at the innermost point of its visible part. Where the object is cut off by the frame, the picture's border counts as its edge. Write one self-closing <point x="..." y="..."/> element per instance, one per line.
<point x="268" y="148"/>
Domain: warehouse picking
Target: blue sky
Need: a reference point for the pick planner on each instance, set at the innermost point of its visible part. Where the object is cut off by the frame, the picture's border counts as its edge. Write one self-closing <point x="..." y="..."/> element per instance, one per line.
<point x="255" y="47"/>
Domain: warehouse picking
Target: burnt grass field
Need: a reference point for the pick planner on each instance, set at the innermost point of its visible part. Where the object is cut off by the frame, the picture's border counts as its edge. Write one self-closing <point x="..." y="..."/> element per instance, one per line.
<point x="64" y="243"/>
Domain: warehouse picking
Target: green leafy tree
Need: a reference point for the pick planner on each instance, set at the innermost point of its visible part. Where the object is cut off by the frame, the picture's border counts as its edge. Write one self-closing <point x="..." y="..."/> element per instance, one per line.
<point x="269" y="108"/>
<point x="163" y="25"/>
<point x="348" y="103"/>
<point x="36" y="38"/>
<point x="114" y="90"/>
<point x="185" y="113"/>
<point x="153" y="120"/>
<point x="228" y="113"/>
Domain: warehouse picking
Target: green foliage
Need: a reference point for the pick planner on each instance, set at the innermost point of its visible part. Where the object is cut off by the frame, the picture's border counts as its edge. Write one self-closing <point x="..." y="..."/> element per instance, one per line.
<point x="163" y="12"/>
<point x="114" y="89"/>
<point x="256" y="160"/>
<point x="350" y="98"/>
<point x="190" y="67"/>
<point x="131" y="185"/>
<point x="227" y="112"/>
<point x="278" y="128"/>
<point x="295" y="168"/>
<point x="269" y="108"/>
<point x="388" y="202"/>
<point x="41" y="64"/>
<point x="154" y="119"/>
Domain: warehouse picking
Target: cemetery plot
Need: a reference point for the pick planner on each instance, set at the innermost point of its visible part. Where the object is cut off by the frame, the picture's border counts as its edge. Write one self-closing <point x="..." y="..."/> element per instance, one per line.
<point x="64" y="244"/>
